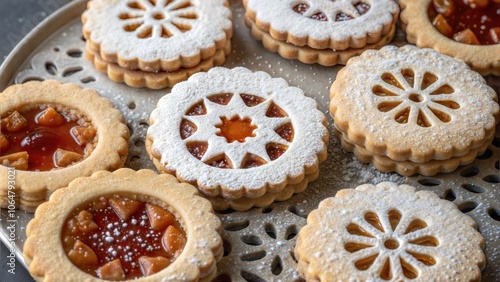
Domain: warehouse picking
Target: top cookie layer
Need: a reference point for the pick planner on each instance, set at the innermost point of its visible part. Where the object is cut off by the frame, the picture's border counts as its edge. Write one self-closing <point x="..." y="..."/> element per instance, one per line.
<point x="237" y="133"/>
<point x="389" y="232"/>
<point x="322" y="24"/>
<point x="154" y="35"/>
<point x="413" y="104"/>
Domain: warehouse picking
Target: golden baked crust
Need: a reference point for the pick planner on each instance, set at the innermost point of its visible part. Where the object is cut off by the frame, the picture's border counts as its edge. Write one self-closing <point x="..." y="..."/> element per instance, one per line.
<point x="112" y="136"/>
<point x="197" y="262"/>
<point x="484" y="59"/>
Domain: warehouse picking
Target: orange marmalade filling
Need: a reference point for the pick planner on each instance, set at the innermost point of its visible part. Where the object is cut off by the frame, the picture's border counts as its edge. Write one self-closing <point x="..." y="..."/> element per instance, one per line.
<point x="236" y="129"/>
<point x="43" y="137"/>
<point x="120" y="238"/>
<point x="475" y="22"/>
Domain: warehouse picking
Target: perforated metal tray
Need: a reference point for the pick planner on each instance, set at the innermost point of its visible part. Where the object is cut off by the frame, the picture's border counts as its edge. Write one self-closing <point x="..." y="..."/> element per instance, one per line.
<point x="259" y="243"/>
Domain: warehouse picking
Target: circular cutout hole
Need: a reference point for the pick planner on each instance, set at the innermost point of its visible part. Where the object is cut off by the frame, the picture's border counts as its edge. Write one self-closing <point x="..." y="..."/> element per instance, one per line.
<point x="417" y="98"/>
<point x="469" y="171"/>
<point x="486" y="155"/>
<point x="467" y="206"/>
<point x="131" y="105"/>
<point x="473" y="188"/>
<point x="492" y="178"/>
<point x="494" y="213"/>
<point x="139" y="143"/>
<point x="391" y="244"/>
<point x="158" y="16"/>
<point x="56" y="49"/>
<point x="430" y="181"/>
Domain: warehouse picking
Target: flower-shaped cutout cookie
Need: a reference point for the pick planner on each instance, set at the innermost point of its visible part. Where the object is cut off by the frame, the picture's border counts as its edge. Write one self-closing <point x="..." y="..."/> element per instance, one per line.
<point x="236" y="133"/>
<point x="157" y="35"/>
<point x="413" y="104"/>
<point x="389" y="232"/>
<point x="321" y="24"/>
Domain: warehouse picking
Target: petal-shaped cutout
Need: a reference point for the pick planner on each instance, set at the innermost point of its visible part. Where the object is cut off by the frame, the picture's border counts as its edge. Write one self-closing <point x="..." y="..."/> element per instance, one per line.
<point x="428" y="79"/>
<point x="274" y="111"/>
<point x="428" y="241"/>
<point x="388" y="106"/>
<point x="381" y="91"/>
<point x="365" y="263"/>
<point x="251" y="100"/>
<point x="354" y="247"/>
<point x="197" y="109"/>
<point x="136" y="5"/>
<point x="301" y="8"/>
<point x="408" y="270"/>
<point x="182" y="26"/>
<point x="402" y="116"/>
<point x="422" y="120"/>
<point x="442" y="116"/>
<point x="409" y="76"/>
<point x="415" y="225"/>
<point x="394" y="218"/>
<point x="132" y="27"/>
<point x="355" y="229"/>
<point x="425" y="259"/>
<point x="445" y="89"/>
<point x="373" y="219"/>
<point x="221" y="99"/>
<point x="187" y="128"/>
<point x="197" y="149"/>
<point x="165" y="32"/>
<point x="386" y="272"/>
<point x="449" y="104"/>
<point x="390" y="79"/>
<point x="276" y="265"/>
<point x="340" y="17"/>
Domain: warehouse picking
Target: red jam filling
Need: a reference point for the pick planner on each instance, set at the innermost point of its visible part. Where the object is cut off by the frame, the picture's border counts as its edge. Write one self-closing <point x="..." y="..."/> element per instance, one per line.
<point x="42" y="138"/>
<point x="118" y="238"/>
<point x="302" y="8"/>
<point x="475" y="22"/>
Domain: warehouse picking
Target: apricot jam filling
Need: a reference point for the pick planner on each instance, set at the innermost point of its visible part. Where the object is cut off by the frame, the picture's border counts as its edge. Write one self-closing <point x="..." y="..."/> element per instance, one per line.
<point x="303" y="9"/>
<point x="120" y="238"/>
<point x="44" y="137"/>
<point x="236" y="129"/>
<point x="475" y="22"/>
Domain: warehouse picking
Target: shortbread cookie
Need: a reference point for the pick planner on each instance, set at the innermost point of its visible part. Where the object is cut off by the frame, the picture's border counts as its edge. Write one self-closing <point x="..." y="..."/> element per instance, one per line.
<point x="409" y="168"/>
<point x="308" y="55"/>
<point x="244" y="203"/>
<point x="413" y="104"/>
<point x="467" y="30"/>
<point x="389" y="233"/>
<point x="237" y="134"/>
<point x="157" y="36"/>
<point x="155" y="80"/>
<point x="324" y="24"/>
<point x="121" y="226"/>
<point x="53" y="133"/>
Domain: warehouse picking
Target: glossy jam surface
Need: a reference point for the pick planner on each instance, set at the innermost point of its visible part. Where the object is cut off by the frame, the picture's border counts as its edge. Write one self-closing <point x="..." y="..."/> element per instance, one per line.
<point x="303" y="8"/>
<point x="42" y="138"/>
<point x="236" y="129"/>
<point x="475" y="22"/>
<point x="122" y="238"/>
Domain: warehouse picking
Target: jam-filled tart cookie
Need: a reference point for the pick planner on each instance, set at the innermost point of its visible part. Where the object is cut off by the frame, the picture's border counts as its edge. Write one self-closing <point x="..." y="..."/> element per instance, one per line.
<point x="465" y="29"/>
<point x="389" y="232"/>
<point x="124" y="225"/>
<point x="412" y="104"/>
<point x="53" y="133"/>
<point x="236" y="133"/>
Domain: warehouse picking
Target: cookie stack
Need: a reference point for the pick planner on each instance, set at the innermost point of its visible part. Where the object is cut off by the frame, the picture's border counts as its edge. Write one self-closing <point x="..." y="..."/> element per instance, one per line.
<point x="323" y="32"/>
<point x="156" y="44"/>
<point x="243" y="138"/>
<point x="413" y="110"/>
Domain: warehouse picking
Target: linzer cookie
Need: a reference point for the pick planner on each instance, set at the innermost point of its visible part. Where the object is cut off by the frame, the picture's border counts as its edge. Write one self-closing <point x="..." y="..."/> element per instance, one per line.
<point x="125" y="225"/>
<point x="413" y="105"/>
<point x="389" y="232"/>
<point x="323" y="28"/>
<point x="238" y="134"/>
<point x="53" y="133"/>
<point x="467" y="30"/>
<point x="156" y="39"/>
